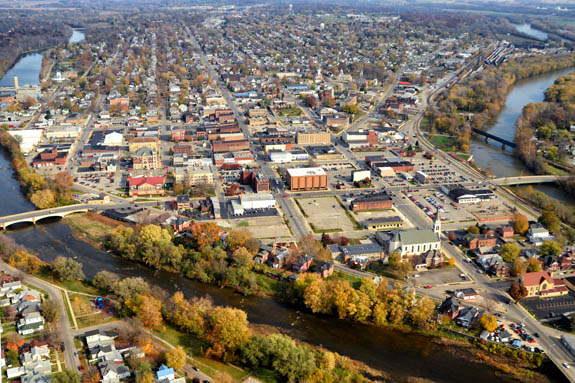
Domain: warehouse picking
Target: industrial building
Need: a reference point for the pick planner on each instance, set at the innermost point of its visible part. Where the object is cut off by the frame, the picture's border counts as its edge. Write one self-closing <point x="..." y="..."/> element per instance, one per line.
<point x="375" y="201"/>
<point x="306" y="179"/>
<point x="249" y="202"/>
<point x="384" y="224"/>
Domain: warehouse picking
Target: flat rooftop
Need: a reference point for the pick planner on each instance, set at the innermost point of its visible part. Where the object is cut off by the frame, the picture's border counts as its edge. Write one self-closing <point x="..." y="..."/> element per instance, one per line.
<point x="300" y="172"/>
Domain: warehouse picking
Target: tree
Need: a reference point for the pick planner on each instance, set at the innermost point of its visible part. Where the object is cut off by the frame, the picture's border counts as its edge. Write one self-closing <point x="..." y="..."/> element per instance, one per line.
<point x="14" y="341"/>
<point x="519" y="266"/>
<point x="520" y="223"/>
<point x="550" y="220"/>
<point x="147" y="309"/>
<point x="50" y="311"/>
<point x="237" y="238"/>
<point x="517" y="291"/>
<point x="488" y="322"/>
<point x="176" y="358"/>
<point x="509" y="252"/>
<point x="91" y="375"/>
<point x="43" y="199"/>
<point x="550" y="247"/>
<point x="394" y="259"/>
<point x="242" y="258"/>
<point x="205" y="233"/>
<point x="473" y="229"/>
<point x="421" y="312"/>
<point x="67" y="269"/>
<point x="145" y="377"/>
<point x="533" y="265"/>
<point x="66" y="376"/>
<point x="227" y="329"/>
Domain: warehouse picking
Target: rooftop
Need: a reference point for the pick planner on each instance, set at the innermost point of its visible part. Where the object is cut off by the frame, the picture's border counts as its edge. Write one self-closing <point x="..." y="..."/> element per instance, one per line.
<point x="300" y="172"/>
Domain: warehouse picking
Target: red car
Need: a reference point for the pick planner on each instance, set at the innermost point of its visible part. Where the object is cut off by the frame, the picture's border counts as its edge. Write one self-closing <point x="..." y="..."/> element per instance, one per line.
<point x="427" y="287"/>
<point x="285" y="196"/>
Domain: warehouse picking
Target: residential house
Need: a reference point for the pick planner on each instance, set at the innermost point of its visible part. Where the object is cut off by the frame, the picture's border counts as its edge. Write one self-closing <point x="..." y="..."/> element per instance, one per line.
<point x="537" y="234"/>
<point x="303" y="264"/>
<point x="506" y="231"/>
<point x="466" y="294"/>
<point x="450" y="307"/>
<point x="467" y="316"/>
<point x="30" y="323"/>
<point x="480" y="241"/>
<point x="113" y="372"/>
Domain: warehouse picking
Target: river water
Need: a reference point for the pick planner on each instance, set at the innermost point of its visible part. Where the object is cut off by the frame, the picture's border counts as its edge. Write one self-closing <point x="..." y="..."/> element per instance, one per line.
<point x="400" y="355"/>
<point x="532" y="32"/>
<point x="502" y="162"/>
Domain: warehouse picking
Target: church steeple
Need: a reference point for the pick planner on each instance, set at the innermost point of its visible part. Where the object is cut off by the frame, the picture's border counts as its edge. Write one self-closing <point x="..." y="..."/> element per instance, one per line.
<point x="437" y="223"/>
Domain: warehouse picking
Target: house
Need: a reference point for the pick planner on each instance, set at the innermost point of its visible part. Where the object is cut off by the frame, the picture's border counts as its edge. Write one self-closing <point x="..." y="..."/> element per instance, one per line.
<point x="467" y="294"/>
<point x="550" y="263"/>
<point x="324" y="269"/>
<point x="183" y="202"/>
<point x="113" y="372"/>
<point x="537" y="234"/>
<point x="466" y="316"/>
<point x="165" y="374"/>
<point x="303" y="264"/>
<point x="506" y="231"/>
<point x="99" y="337"/>
<point x="431" y="258"/>
<point x="35" y="355"/>
<point x="30" y="323"/>
<point x="450" y="307"/>
<point x="541" y="284"/>
<point x="481" y="241"/>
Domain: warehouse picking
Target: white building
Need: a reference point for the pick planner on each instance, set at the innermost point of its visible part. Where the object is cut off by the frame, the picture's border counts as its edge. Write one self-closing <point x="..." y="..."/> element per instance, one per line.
<point x="360" y="175"/>
<point x="257" y="201"/>
<point x="28" y="138"/>
<point x="415" y="241"/>
<point x="280" y="157"/>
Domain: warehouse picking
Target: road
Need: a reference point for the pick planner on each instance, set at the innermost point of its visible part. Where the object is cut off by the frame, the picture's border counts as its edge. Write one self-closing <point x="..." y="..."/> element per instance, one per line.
<point x="63" y="325"/>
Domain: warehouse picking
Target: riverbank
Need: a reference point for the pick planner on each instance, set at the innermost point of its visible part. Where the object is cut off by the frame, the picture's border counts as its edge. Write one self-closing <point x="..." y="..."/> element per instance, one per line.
<point x="466" y="343"/>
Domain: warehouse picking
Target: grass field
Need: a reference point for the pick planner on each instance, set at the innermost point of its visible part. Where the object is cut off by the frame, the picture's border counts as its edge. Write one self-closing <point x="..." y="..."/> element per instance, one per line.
<point x="444" y="143"/>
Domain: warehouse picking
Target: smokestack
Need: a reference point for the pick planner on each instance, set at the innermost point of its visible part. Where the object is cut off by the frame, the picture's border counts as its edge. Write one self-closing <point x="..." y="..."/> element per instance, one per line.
<point x="15" y="82"/>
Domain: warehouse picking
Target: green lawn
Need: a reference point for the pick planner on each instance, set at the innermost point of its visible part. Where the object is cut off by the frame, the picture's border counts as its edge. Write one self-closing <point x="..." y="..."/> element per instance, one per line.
<point x="193" y="347"/>
<point x="444" y="143"/>
<point x="294" y="111"/>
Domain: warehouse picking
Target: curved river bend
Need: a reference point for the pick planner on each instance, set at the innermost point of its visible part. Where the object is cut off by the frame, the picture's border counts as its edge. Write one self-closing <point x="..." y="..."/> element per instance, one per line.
<point x="400" y="355"/>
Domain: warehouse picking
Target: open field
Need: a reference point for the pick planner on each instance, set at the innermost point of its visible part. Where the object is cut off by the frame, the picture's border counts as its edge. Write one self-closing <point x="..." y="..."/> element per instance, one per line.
<point x="263" y="227"/>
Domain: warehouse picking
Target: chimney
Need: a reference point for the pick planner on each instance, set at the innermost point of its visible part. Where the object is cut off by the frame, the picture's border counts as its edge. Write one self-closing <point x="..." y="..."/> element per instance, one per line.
<point x="15" y="83"/>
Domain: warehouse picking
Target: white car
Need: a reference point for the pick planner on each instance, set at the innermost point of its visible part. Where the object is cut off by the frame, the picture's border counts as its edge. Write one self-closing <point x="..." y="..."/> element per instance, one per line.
<point x="566" y="365"/>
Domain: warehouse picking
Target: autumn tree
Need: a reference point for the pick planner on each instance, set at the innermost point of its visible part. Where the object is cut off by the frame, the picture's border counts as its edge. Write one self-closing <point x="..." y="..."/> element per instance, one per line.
<point x="421" y="312"/>
<point x="43" y="199"/>
<point x="550" y="247"/>
<point x="242" y="257"/>
<point x="509" y="252"/>
<point x="237" y="238"/>
<point x="176" y="358"/>
<point x="91" y="375"/>
<point x="205" y="233"/>
<point x="533" y="264"/>
<point x="67" y="269"/>
<point x="519" y="266"/>
<point x="473" y="229"/>
<point x="488" y="322"/>
<point x="520" y="223"/>
<point x="50" y="311"/>
<point x="66" y="376"/>
<point x="147" y="309"/>
<point x="394" y="259"/>
<point x="227" y="329"/>
<point x="14" y="341"/>
<point x="517" y="291"/>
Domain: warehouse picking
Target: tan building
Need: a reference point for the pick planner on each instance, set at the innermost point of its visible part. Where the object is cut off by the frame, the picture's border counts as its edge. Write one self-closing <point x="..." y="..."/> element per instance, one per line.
<point x="306" y="179"/>
<point x="317" y="138"/>
<point x="145" y="159"/>
<point x="540" y="284"/>
<point x="195" y="175"/>
<point x="144" y="142"/>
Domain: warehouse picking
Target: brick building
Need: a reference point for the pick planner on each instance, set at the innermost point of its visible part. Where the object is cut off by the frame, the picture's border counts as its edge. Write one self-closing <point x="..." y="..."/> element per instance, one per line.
<point x="306" y="179"/>
<point x="373" y="201"/>
<point x="317" y="138"/>
<point x="257" y="181"/>
<point x="230" y="146"/>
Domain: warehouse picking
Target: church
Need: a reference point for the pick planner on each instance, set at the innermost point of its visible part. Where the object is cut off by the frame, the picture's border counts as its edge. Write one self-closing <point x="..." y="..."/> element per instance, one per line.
<point x="412" y="241"/>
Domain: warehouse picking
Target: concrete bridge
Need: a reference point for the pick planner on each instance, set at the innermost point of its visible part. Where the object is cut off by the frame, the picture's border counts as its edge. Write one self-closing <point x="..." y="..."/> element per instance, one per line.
<point x="525" y="180"/>
<point x="489" y="136"/>
<point x="57" y="212"/>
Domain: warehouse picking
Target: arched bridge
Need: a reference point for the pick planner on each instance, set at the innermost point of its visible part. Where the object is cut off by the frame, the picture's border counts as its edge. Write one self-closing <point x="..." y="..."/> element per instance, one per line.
<point x="489" y="136"/>
<point x="525" y="180"/>
<point x="58" y="212"/>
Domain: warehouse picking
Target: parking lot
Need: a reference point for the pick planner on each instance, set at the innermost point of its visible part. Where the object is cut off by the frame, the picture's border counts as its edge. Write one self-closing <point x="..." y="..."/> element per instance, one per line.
<point x="436" y="277"/>
<point x="325" y="213"/>
<point x="548" y="308"/>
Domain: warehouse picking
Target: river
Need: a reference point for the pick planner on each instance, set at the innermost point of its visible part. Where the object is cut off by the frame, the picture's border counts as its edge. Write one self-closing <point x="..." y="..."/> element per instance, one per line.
<point x="502" y="162"/>
<point x="401" y="355"/>
<point x="532" y="32"/>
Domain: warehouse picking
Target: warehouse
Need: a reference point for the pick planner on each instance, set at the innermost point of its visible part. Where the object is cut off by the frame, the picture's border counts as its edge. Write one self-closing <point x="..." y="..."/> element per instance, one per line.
<point x="375" y="201"/>
<point x="467" y="196"/>
<point x="257" y="201"/>
<point x="306" y="179"/>
<point x="360" y="175"/>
